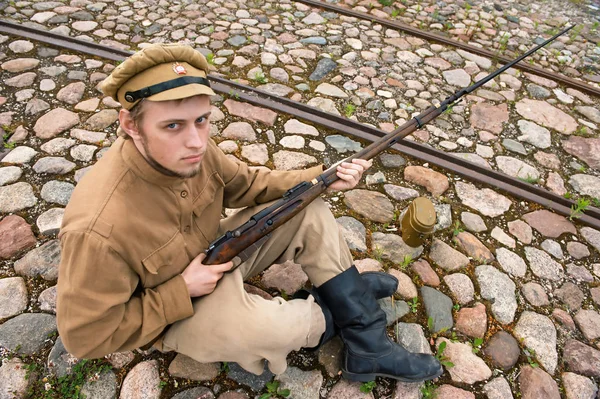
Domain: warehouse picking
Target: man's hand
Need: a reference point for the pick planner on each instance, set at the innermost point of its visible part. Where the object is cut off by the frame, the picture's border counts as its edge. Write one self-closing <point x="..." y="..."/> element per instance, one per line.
<point x="202" y="279"/>
<point x="349" y="174"/>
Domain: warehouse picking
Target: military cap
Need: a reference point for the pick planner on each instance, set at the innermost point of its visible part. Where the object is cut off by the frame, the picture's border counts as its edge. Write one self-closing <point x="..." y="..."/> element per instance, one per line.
<point x="159" y="72"/>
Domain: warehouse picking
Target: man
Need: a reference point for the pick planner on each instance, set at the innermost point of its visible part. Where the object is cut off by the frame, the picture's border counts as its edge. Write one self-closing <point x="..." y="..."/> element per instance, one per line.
<point x="136" y="227"/>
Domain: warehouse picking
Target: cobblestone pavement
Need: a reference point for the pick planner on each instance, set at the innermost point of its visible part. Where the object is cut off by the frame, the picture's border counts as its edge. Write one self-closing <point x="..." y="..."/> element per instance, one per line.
<point x="508" y="289"/>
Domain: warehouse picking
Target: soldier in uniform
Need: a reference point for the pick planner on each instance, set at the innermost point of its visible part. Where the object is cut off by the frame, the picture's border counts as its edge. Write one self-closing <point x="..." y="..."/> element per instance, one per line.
<point x="137" y="225"/>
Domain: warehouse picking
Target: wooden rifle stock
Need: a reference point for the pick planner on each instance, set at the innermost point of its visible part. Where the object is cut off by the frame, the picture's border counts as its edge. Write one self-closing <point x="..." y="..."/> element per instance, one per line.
<point x="233" y="243"/>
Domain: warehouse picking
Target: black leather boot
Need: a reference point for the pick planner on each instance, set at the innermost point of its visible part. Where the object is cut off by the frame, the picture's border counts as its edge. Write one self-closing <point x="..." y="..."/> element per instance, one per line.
<point x="368" y="351"/>
<point x="380" y="284"/>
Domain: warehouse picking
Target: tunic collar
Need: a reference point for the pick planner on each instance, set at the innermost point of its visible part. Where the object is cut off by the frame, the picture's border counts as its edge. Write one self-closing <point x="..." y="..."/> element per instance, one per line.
<point x="136" y="161"/>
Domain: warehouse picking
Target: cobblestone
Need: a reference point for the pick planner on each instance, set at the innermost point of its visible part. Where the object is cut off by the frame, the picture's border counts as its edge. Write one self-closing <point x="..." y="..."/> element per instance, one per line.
<point x="535" y="129"/>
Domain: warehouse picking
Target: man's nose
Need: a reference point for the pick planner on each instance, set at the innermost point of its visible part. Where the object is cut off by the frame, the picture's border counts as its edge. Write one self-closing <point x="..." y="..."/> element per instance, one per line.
<point x="194" y="138"/>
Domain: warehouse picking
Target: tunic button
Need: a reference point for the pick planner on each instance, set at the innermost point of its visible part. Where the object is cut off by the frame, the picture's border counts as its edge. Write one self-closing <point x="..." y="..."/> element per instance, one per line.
<point x="186" y="229"/>
<point x="184" y="194"/>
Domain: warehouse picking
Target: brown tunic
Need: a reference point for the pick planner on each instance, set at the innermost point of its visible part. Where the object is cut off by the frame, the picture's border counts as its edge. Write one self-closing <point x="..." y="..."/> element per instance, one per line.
<point x="129" y="231"/>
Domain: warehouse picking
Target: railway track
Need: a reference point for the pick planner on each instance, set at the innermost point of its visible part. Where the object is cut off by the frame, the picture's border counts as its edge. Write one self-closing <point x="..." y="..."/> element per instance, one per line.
<point x="433" y="37"/>
<point x="447" y="161"/>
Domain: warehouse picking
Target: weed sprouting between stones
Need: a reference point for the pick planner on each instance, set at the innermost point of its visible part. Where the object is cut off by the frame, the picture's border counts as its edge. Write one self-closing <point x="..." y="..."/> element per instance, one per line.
<point x="273" y="391"/>
<point x="440" y="355"/>
<point x="367" y="387"/>
<point x="580" y="206"/>
<point x="414" y="304"/>
<point x="68" y="386"/>
<point x="408" y="259"/>
<point x="428" y="390"/>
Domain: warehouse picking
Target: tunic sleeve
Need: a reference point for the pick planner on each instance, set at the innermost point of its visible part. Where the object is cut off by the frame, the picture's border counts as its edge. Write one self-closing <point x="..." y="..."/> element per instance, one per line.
<point x="99" y="310"/>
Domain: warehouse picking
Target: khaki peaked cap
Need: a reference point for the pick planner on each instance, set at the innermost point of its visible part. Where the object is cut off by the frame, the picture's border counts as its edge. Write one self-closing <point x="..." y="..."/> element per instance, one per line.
<point x="156" y="64"/>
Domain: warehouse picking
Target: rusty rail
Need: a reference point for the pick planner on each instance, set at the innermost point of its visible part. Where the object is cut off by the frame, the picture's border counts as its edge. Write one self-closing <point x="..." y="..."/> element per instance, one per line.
<point x="447" y="161"/>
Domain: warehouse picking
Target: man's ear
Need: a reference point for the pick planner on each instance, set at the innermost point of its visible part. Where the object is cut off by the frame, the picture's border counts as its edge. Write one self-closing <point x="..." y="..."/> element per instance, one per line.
<point x="128" y="124"/>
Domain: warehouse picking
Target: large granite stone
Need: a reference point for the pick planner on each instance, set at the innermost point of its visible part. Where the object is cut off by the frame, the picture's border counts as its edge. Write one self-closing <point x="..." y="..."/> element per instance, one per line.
<point x="60" y="361"/>
<point x="542" y="265"/>
<point x="588" y="321"/>
<point x="586" y="149"/>
<point x="489" y="117"/>
<point x="412" y="337"/>
<point x="241" y="376"/>
<point x="391" y="247"/>
<point x="250" y="112"/>
<point x="435" y="182"/>
<point x="105" y="387"/>
<point x="537" y="332"/>
<point x="498" y="388"/>
<point x="13" y="296"/>
<point x="291" y="160"/>
<point x="287" y="276"/>
<point x="27" y="333"/>
<point x="303" y="384"/>
<point x="54" y="122"/>
<point x="15" y="236"/>
<point x="586" y="184"/>
<point x="486" y="201"/>
<point x="510" y="262"/>
<point x="324" y="67"/>
<point x="472" y="321"/>
<point x="578" y="386"/>
<point x="546" y="115"/>
<point x="503" y="350"/>
<point x="581" y="359"/>
<point x="473" y="247"/>
<point x="447" y="257"/>
<point x="16" y="379"/>
<point x="570" y="295"/>
<point x="185" y="367"/>
<point x="144" y="377"/>
<point x="42" y="261"/>
<point x="438" y="307"/>
<point x="500" y="290"/>
<point x="354" y="233"/>
<point x="16" y="197"/>
<point x="370" y="204"/>
<point x="549" y="224"/>
<point x="592" y="236"/>
<point x="468" y="367"/>
<point x="535" y="383"/>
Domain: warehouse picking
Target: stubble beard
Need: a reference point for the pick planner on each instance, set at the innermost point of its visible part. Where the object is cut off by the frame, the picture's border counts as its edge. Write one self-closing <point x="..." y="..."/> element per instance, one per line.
<point x="156" y="165"/>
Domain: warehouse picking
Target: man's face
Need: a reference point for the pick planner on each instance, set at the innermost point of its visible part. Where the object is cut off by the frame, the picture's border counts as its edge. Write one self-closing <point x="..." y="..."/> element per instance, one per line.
<point x="173" y="135"/>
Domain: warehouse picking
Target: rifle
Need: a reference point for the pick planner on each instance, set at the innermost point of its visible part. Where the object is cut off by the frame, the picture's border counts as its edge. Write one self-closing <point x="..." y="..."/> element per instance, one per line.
<point x="244" y="240"/>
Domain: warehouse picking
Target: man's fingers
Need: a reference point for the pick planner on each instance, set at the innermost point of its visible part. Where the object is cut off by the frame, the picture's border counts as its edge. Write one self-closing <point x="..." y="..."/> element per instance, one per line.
<point x="363" y="162"/>
<point x="224" y="267"/>
<point x="345" y="176"/>
<point x="350" y="169"/>
<point x="359" y="165"/>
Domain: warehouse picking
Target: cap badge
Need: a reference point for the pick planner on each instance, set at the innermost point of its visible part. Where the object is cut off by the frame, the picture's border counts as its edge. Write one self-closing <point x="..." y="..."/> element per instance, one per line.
<point x="179" y="69"/>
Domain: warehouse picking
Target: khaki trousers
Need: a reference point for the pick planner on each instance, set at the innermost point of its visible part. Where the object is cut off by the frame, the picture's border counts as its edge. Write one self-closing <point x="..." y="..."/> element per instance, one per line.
<point x="231" y="325"/>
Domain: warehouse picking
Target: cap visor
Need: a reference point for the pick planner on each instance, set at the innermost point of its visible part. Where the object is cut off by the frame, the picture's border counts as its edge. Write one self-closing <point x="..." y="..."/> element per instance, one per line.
<point x="177" y="93"/>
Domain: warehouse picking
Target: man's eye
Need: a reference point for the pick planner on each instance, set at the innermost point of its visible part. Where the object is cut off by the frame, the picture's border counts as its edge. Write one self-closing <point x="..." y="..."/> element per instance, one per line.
<point x="201" y="119"/>
<point x="171" y="125"/>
